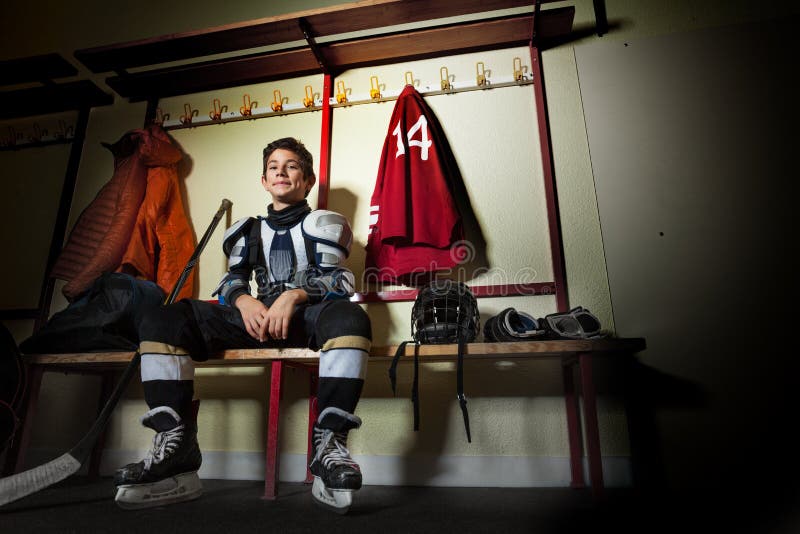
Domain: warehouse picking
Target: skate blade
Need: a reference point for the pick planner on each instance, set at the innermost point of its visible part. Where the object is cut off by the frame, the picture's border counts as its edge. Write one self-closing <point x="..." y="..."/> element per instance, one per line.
<point x="183" y="487"/>
<point x="338" y="501"/>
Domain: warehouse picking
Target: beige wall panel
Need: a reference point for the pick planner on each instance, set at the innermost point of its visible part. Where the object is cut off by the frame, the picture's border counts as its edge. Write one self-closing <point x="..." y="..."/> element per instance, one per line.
<point x="30" y="184"/>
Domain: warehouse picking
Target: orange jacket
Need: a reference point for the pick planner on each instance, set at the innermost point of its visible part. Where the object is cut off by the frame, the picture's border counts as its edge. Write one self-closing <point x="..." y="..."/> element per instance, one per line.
<point x="162" y="241"/>
<point x="98" y="240"/>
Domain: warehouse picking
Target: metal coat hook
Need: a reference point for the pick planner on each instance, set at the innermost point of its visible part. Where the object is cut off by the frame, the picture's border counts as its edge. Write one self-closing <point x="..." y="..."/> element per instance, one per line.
<point x="374" y="88"/>
<point x="218" y="110"/>
<point x="444" y="74"/>
<point x="308" y="101"/>
<point x="519" y="69"/>
<point x="188" y="114"/>
<point x="409" y="78"/>
<point x="37" y="133"/>
<point x="160" y="117"/>
<point x="341" y="92"/>
<point x="480" y="74"/>
<point x="14" y="136"/>
<point x="7" y="141"/>
<point x="247" y="109"/>
<point x="64" y="131"/>
<point x="277" y="101"/>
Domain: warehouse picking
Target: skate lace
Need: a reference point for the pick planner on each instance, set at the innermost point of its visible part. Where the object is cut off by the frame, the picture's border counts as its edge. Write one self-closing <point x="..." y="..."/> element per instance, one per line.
<point x="164" y="444"/>
<point x="331" y="449"/>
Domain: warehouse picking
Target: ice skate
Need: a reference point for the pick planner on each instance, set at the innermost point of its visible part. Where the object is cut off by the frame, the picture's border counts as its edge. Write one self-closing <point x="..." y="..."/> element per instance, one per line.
<point x="336" y="474"/>
<point x="169" y="473"/>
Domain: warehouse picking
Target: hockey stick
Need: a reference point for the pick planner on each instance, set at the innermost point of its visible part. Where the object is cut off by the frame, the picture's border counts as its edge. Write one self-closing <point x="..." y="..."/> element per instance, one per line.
<point x="22" y="484"/>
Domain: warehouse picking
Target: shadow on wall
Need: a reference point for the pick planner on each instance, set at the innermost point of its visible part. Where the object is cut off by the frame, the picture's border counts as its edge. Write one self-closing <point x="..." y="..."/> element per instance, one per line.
<point x="475" y="259"/>
<point x="344" y="201"/>
<point x="647" y="392"/>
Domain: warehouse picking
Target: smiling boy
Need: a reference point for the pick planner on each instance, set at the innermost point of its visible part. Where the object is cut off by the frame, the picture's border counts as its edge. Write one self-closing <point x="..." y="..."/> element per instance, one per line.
<point x="296" y="258"/>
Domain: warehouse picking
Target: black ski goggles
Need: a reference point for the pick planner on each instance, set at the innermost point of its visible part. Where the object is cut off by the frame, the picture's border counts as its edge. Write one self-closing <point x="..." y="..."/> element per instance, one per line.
<point x="578" y="323"/>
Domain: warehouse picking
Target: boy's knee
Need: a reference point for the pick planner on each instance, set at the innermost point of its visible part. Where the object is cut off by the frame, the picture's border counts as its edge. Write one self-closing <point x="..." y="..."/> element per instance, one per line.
<point x="159" y="324"/>
<point x="343" y="318"/>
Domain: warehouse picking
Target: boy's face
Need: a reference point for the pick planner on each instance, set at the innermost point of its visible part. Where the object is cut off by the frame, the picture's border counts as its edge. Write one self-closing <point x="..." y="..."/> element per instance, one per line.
<point x="285" y="180"/>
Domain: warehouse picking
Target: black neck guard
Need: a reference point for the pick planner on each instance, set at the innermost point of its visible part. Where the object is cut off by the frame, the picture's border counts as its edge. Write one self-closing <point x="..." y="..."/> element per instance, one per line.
<point x="288" y="216"/>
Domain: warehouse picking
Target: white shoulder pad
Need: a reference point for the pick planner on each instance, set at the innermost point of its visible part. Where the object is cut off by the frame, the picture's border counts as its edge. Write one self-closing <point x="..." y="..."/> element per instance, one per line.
<point x="331" y="236"/>
<point x="328" y="228"/>
<point x="235" y="238"/>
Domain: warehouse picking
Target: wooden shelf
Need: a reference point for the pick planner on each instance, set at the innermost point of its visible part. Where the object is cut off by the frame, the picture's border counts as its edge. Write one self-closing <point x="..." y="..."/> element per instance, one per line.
<point x="53" y="99"/>
<point x="42" y="68"/>
<point x="49" y="97"/>
<point x="452" y="39"/>
<point x="311" y="57"/>
<point x="325" y="22"/>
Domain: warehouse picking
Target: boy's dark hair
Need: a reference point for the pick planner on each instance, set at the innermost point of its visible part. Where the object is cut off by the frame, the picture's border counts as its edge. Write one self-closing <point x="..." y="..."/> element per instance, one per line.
<point x="290" y="143"/>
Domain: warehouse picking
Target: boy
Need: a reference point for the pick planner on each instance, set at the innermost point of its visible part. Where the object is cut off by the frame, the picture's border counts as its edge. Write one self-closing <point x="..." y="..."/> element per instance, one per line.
<point x="296" y="256"/>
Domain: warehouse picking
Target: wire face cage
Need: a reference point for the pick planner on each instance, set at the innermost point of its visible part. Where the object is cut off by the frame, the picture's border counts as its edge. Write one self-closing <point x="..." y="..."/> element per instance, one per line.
<point x="445" y="312"/>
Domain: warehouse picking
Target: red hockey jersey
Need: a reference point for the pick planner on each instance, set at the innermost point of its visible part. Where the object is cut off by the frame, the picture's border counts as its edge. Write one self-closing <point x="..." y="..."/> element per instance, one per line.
<point x="415" y="226"/>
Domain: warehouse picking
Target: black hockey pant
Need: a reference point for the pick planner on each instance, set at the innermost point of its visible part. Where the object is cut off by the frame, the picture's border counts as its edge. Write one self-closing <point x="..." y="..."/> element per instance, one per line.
<point x="173" y="336"/>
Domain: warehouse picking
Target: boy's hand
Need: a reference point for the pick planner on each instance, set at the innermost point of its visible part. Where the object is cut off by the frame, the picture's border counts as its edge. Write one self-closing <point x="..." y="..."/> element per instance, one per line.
<point x="280" y="313"/>
<point x="261" y="321"/>
<point x="253" y="312"/>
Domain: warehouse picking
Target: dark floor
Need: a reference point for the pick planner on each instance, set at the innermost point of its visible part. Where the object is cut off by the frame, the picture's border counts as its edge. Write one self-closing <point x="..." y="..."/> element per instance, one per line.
<point x="82" y="506"/>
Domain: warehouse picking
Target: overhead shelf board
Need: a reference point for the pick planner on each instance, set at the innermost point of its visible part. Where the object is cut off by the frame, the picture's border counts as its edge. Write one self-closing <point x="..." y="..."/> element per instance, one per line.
<point x="53" y="99"/>
<point x="323" y="22"/>
<point x="489" y="34"/>
<point x="44" y="68"/>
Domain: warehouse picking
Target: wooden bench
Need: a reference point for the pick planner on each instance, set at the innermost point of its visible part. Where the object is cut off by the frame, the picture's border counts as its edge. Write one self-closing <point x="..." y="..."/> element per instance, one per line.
<point x="574" y="356"/>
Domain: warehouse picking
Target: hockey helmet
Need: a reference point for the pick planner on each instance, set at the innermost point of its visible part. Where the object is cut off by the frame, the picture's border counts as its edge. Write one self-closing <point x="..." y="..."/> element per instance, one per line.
<point x="445" y="311"/>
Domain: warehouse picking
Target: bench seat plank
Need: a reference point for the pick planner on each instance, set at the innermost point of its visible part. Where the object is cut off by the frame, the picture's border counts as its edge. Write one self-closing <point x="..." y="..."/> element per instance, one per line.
<point x="521" y="349"/>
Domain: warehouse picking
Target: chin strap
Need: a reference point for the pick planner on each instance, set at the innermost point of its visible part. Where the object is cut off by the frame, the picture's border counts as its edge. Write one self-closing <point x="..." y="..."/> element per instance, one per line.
<point x="462" y="399"/>
<point x="401" y="350"/>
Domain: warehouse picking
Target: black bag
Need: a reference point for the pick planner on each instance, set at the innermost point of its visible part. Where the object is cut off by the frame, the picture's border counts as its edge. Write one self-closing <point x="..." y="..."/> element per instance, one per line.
<point x="105" y="318"/>
<point x="12" y="386"/>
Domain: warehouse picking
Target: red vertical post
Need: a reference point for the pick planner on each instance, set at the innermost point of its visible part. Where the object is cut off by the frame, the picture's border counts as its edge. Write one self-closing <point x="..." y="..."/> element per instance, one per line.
<point x="573" y="425"/>
<point x="325" y="142"/>
<point x="313" y="413"/>
<point x="273" y="420"/>
<point x="553" y="219"/>
<point x="590" y="418"/>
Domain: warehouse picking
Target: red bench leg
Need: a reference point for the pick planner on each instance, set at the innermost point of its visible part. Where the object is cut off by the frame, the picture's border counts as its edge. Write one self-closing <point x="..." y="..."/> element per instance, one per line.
<point x="313" y="413"/>
<point x="592" y="432"/>
<point x="573" y="426"/>
<point x="273" y="419"/>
